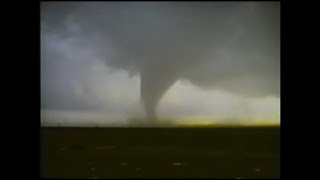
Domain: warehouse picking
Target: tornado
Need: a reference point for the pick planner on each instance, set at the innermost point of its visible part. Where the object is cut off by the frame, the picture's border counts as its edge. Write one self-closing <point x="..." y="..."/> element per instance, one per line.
<point x="154" y="83"/>
<point x="216" y="45"/>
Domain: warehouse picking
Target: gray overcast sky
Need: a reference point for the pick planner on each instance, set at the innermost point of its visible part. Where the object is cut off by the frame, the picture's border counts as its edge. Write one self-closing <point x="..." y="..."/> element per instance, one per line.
<point x="191" y="61"/>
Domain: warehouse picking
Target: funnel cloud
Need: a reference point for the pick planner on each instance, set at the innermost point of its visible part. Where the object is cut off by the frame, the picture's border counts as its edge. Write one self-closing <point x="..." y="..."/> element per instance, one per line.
<point x="229" y="46"/>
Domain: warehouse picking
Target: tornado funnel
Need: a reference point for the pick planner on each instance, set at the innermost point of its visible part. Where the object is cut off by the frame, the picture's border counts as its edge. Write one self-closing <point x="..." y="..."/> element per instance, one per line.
<point x="155" y="81"/>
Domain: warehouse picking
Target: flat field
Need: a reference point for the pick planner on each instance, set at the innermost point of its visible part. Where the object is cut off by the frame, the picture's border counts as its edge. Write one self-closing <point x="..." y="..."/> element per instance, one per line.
<point x="224" y="152"/>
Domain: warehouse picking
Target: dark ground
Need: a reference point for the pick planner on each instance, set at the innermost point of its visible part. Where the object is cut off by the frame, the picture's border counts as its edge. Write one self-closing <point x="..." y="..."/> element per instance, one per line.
<point x="160" y="152"/>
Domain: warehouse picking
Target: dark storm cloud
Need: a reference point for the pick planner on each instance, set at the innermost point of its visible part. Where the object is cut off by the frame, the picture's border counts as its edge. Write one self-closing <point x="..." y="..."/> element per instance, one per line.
<point x="217" y="45"/>
<point x="59" y="81"/>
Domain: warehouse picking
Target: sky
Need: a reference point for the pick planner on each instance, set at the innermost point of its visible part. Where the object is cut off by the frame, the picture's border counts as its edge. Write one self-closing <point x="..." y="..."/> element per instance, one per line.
<point x="105" y="63"/>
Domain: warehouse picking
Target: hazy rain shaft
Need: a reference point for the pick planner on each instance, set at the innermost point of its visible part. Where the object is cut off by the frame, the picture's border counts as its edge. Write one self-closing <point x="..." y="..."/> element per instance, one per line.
<point x="228" y="46"/>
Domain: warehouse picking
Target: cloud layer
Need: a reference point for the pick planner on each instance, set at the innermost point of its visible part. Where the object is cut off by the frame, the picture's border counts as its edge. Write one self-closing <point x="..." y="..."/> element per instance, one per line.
<point x="88" y="50"/>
